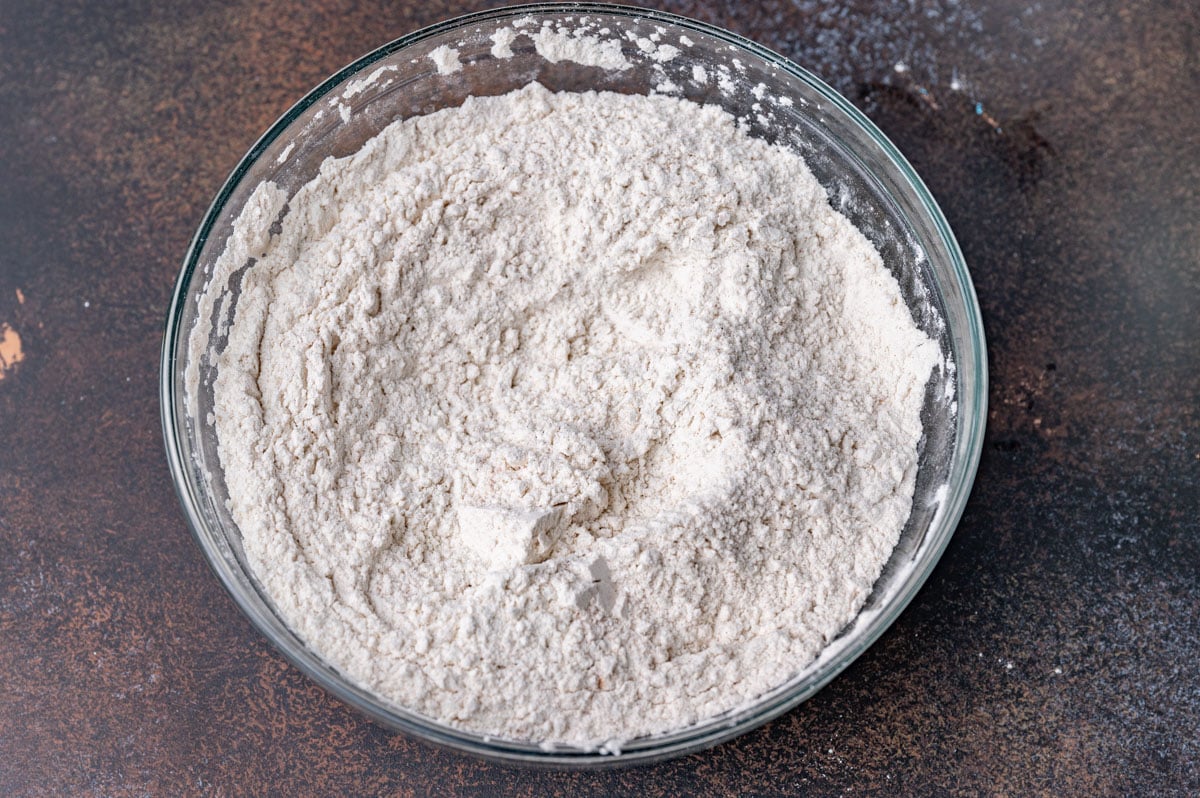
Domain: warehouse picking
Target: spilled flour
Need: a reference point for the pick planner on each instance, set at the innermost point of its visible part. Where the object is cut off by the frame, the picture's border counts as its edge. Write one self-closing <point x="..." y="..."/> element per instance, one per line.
<point x="566" y="418"/>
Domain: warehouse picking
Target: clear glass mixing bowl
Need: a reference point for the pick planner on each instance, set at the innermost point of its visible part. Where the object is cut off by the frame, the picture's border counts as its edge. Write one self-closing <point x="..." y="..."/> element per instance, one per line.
<point x="866" y="178"/>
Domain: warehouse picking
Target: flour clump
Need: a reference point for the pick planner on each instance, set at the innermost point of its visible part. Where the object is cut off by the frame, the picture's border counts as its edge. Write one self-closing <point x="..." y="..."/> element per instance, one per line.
<point x="566" y="417"/>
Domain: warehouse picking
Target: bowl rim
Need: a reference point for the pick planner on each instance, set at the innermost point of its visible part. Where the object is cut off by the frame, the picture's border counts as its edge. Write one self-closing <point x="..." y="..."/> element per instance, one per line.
<point x="970" y="425"/>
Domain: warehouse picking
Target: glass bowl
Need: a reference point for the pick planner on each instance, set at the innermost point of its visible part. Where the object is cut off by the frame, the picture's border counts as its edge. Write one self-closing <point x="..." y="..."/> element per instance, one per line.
<point x="866" y="179"/>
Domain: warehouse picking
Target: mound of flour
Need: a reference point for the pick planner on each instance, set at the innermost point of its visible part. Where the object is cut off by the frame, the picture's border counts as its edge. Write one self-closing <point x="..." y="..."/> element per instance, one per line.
<point x="566" y="418"/>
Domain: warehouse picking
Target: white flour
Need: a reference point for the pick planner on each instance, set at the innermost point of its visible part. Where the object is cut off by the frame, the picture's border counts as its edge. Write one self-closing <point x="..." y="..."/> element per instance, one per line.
<point x="567" y="417"/>
<point x="445" y="58"/>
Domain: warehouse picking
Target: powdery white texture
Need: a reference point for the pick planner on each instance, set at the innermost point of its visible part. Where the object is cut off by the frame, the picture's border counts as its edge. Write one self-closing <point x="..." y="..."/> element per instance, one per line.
<point x="651" y="48"/>
<point x="502" y="41"/>
<point x="567" y="418"/>
<point x="356" y="87"/>
<point x="558" y="44"/>
<point x="445" y="58"/>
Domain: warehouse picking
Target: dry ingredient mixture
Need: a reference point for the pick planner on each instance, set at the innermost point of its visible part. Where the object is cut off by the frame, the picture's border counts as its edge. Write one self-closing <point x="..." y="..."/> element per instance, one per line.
<point x="567" y="418"/>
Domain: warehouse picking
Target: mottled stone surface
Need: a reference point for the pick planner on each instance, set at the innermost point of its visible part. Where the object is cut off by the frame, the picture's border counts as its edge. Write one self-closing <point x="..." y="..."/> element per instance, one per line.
<point x="1053" y="651"/>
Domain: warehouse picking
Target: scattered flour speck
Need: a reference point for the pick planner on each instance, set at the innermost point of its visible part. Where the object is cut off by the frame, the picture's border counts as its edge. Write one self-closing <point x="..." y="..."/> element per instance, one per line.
<point x="445" y="58"/>
<point x="555" y="45"/>
<point x="502" y="41"/>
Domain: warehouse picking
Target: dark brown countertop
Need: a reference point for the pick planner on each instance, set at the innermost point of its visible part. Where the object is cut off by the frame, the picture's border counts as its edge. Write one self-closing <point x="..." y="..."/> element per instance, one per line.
<point x="1054" y="650"/>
